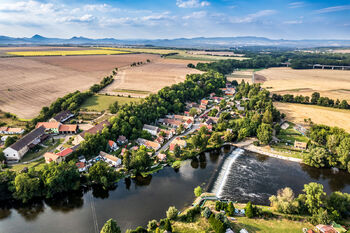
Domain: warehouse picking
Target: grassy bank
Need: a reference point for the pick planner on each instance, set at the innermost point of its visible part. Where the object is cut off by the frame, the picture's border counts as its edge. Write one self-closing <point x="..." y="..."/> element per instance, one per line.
<point x="102" y="102"/>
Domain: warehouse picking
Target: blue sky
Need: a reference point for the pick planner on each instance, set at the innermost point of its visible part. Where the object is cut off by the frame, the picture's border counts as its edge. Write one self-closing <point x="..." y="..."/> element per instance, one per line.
<point x="127" y="19"/>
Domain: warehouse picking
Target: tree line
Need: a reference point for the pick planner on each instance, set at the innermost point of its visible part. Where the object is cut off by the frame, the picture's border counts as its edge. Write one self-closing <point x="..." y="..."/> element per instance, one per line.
<point x="313" y="202"/>
<point x="316" y="99"/>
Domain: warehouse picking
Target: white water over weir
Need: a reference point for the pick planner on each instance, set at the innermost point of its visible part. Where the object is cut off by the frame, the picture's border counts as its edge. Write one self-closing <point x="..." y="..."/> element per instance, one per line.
<point x="225" y="171"/>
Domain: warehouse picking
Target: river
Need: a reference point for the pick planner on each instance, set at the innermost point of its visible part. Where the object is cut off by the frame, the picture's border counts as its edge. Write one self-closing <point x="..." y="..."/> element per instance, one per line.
<point x="135" y="201"/>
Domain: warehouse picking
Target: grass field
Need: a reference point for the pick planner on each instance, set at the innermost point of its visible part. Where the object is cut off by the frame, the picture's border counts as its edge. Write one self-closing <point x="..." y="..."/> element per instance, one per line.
<point x="131" y="91"/>
<point x="102" y="102"/>
<point x="329" y="83"/>
<point x="66" y="53"/>
<point x="270" y="225"/>
<point x="296" y="113"/>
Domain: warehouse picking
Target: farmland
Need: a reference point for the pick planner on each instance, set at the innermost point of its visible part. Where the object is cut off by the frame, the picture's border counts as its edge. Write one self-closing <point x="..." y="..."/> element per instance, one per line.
<point x="66" y="53"/>
<point x="183" y="54"/>
<point x="320" y="115"/>
<point x="29" y="83"/>
<point x="330" y="83"/>
<point x="102" y="102"/>
<point x="141" y="80"/>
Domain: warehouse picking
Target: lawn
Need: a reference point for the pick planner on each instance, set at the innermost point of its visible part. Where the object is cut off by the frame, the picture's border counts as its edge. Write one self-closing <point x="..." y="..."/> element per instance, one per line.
<point x="50" y="146"/>
<point x="39" y="164"/>
<point x="102" y="102"/>
<point x="199" y="225"/>
<point x="270" y="225"/>
<point x="290" y="135"/>
<point x="66" y="53"/>
<point x="131" y="91"/>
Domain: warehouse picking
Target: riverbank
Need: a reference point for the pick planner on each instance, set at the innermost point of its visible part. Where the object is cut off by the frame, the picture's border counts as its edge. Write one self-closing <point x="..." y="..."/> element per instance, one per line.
<point x="249" y="146"/>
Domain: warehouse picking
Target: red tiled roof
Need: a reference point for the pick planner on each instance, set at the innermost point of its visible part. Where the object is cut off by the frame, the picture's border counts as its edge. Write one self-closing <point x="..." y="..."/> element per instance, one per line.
<point x="111" y="143"/>
<point x="80" y="165"/>
<point x="51" y="156"/>
<point x="48" y="125"/>
<point x="65" y="152"/>
<point x="68" y="128"/>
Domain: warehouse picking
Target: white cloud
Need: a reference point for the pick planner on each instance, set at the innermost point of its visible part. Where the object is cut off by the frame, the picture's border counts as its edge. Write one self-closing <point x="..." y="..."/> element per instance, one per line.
<point x="191" y="3"/>
<point x="293" y="22"/>
<point x="196" y="15"/>
<point x="253" y="17"/>
<point x="100" y="7"/>
<point x="80" y="19"/>
<point x="296" y="4"/>
<point x="332" y="9"/>
<point x="28" y="6"/>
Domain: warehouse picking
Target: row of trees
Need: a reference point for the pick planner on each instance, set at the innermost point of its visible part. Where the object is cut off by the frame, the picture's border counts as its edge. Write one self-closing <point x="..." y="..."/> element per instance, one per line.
<point x="316" y="99"/>
<point x="332" y="148"/>
<point x="52" y="179"/>
<point x="313" y="201"/>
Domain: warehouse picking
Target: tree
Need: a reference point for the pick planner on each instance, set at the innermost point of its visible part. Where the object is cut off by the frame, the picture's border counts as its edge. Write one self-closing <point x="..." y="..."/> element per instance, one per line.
<point x="10" y="140"/>
<point x="284" y="202"/>
<point x="193" y="112"/>
<point x="180" y="129"/>
<point x="343" y="152"/>
<point x="167" y="225"/>
<point x="230" y="209"/>
<point x="206" y="212"/>
<point x="317" y="157"/>
<point x="315" y="97"/>
<point x="264" y="133"/>
<point x="26" y="187"/>
<point x="152" y="225"/>
<point x="101" y="173"/>
<point x="249" y="212"/>
<point x="110" y="226"/>
<point x="171" y="213"/>
<point x="315" y="197"/>
<point x="267" y="117"/>
<point x="177" y="150"/>
<point x="321" y="217"/>
<point x="2" y="156"/>
<point x="215" y="139"/>
<point x="198" y="191"/>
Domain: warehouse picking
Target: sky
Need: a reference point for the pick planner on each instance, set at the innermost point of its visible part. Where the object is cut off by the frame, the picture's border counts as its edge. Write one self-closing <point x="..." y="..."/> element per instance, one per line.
<point x="167" y="19"/>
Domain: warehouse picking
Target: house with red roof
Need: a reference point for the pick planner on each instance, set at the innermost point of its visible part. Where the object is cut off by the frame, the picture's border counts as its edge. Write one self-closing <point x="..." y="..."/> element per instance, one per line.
<point x="81" y="166"/>
<point x="112" y="145"/>
<point x="58" y="157"/>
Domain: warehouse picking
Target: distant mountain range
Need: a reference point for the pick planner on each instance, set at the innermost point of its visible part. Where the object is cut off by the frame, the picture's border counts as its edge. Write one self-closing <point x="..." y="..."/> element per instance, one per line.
<point x="199" y="42"/>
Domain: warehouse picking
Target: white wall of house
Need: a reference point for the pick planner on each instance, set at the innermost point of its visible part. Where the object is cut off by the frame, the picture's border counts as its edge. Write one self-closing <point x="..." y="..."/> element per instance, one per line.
<point x="12" y="154"/>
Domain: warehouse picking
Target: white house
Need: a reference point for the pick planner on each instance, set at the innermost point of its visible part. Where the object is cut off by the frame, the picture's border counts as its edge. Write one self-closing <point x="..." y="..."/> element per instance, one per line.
<point x="151" y="129"/>
<point x="113" y="145"/>
<point x="17" y="150"/>
<point x="110" y="159"/>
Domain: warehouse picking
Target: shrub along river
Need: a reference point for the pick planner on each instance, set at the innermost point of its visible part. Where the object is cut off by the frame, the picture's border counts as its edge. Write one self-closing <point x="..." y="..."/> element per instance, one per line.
<point x="238" y="175"/>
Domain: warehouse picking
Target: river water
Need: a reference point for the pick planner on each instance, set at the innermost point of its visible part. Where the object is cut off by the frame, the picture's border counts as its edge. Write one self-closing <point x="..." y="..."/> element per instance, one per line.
<point x="240" y="176"/>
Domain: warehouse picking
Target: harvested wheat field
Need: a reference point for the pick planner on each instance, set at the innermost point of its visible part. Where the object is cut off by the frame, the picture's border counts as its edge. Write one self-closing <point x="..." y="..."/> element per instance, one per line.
<point x="28" y="84"/>
<point x="330" y="83"/>
<point x="296" y="113"/>
<point x="149" y="78"/>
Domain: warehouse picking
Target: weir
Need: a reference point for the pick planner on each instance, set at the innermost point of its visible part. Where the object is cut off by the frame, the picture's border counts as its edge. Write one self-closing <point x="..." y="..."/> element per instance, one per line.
<point x="225" y="171"/>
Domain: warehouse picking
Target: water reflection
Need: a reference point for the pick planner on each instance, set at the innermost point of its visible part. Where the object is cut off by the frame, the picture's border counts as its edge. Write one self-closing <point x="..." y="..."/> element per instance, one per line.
<point x="195" y="163"/>
<point x="66" y="202"/>
<point x="31" y="211"/>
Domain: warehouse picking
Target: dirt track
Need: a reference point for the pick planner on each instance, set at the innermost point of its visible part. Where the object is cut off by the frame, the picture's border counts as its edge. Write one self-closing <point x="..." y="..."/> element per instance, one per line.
<point x="28" y="84"/>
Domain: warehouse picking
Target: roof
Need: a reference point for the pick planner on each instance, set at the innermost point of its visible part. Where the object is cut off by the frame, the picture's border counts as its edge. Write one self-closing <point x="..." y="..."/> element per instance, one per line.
<point x="150" y="127"/>
<point x="48" y="125"/>
<point x="172" y="122"/>
<point x="97" y="128"/>
<point x="326" y="228"/>
<point x="27" y="139"/>
<point x="108" y="156"/>
<point x="121" y="138"/>
<point x="69" y="128"/>
<point x="154" y="145"/>
<point x="111" y="143"/>
<point x="80" y="165"/>
<point x="14" y="130"/>
<point x="62" y="115"/>
<point x="297" y="143"/>
<point x="65" y="152"/>
<point x="52" y="156"/>
<point x="4" y="128"/>
<point x="161" y="156"/>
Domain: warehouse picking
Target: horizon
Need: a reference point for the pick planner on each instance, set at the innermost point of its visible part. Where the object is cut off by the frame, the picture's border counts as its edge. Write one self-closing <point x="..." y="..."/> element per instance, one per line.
<point x="173" y="19"/>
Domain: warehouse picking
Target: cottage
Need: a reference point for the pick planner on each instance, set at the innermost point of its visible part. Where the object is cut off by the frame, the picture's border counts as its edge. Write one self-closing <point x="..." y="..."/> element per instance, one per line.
<point x="65" y="153"/>
<point x="168" y="133"/>
<point x="153" y="130"/>
<point x="112" y="160"/>
<point x="188" y="123"/>
<point x="170" y="122"/>
<point x="52" y="157"/>
<point x="68" y="129"/>
<point x="62" y="116"/>
<point x="17" y="150"/>
<point x="204" y="102"/>
<point x="50" y="127"/>
<point x="14" y="131"/>
<point x="161" y="157"/>
<point x="94" y="130"/>
<point x="300" y="145"/>
<point x="177" y="141"/>
<point x="122" y="140"/>
<point x="112" y="145"/>
<point x="81" y="166"/>
<point x="326" y="229"/>
<point x="149" y="144"/>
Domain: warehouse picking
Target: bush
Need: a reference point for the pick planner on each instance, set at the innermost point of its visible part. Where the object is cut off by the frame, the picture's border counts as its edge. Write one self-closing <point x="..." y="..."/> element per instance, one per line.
<point x="230" y="210"/>
<point x="191" y="214"/>
<point x="172" y="213"/>
<point x="216" y="224"/>
<point x="198" y="191"/>
<point x="152" y="225"/>
<point x="167" y="225"/>
<point x="206" y="213"/>
<point x="249" y="210"/>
